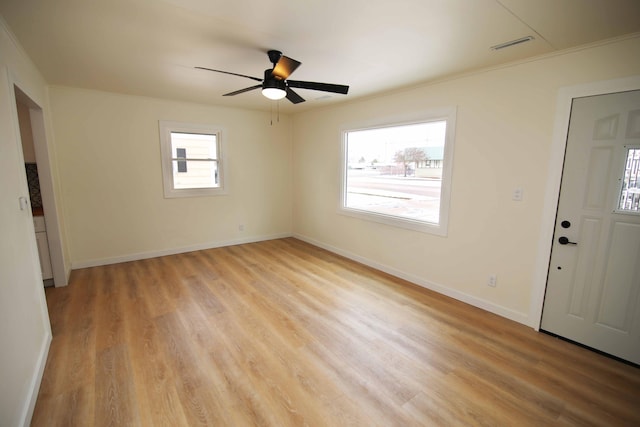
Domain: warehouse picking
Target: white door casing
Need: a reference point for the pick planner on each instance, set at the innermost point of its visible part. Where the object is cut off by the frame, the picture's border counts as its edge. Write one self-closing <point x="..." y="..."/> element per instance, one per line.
<point x="593" y="290"/>
<point x="565" y="97"/>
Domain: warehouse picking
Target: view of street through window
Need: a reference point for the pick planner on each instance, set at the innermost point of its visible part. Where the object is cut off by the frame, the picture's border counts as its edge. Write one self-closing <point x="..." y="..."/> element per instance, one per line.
<point x="396" y="171"/>
<point x="410" y="197"/>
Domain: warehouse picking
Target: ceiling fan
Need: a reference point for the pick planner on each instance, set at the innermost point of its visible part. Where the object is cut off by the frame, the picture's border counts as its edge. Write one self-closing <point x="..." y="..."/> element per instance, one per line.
<point x="275" y="84"/>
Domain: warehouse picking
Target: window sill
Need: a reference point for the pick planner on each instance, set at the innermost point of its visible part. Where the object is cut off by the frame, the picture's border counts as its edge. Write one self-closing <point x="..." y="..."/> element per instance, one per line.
<point x="406" y="223"/>
<point x="194" y="192"/>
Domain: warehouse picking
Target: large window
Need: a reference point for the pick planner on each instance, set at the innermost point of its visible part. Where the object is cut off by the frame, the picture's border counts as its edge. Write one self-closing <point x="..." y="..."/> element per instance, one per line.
<point x="400" y="174"/>
<point x="191" y="159"/>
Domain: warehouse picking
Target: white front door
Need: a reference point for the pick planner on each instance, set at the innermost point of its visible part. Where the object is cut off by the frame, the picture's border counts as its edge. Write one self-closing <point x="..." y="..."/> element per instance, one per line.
<point x="593" y="287"/>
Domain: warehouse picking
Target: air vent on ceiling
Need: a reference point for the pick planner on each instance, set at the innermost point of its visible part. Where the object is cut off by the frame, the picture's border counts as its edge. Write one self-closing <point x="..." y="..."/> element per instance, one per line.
<point x="511" y="43"/>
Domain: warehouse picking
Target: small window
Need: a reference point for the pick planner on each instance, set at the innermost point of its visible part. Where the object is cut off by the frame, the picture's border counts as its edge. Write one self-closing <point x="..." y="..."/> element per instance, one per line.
<point x="400" y="174"/>
<point x="191" y="159"/>
<point x="629" y="201"/>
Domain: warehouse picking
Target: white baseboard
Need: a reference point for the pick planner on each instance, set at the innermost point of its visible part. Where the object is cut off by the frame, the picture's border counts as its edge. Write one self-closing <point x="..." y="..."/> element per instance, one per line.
<point x="441" y="289"/>
<point x="174" y="251"/>
<point x="36" y="380"/>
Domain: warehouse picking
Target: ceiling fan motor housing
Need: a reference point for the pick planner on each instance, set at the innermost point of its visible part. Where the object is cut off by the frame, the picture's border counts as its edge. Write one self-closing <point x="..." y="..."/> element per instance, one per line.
<point x="270" y="81"/>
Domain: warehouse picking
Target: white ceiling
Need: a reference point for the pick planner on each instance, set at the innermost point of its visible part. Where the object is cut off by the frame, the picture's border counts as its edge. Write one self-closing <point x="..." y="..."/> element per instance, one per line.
<point x="149" y="47"/>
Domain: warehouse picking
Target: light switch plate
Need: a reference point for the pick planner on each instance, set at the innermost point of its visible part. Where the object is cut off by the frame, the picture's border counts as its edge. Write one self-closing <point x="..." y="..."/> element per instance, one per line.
<point x="517" y="194"/>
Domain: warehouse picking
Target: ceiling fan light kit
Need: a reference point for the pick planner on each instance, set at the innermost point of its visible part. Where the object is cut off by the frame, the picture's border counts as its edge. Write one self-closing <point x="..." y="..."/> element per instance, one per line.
<point x="274" y="93"/>
<point x="272" y="87"/>
<point x="275" y="85"/>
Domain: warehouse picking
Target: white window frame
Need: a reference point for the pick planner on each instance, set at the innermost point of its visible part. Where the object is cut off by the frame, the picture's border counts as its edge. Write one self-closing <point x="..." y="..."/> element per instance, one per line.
<point x="166" y="128"/>
<point x="447" y="114"/>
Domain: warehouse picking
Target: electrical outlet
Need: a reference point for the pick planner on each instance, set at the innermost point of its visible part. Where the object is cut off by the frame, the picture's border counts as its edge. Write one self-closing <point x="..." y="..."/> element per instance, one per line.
<point x="492" y="281"/>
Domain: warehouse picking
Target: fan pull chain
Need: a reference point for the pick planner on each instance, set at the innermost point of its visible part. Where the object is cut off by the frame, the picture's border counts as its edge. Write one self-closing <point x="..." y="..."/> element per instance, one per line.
<point x="277" y="112"/>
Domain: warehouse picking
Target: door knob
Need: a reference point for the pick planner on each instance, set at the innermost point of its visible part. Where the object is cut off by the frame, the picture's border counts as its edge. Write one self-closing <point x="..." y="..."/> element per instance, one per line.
<point x="565" y="241"/>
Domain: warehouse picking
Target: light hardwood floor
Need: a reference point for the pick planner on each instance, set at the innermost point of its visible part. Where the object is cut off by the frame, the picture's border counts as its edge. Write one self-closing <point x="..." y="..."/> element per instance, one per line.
<point x="281" y="333"/>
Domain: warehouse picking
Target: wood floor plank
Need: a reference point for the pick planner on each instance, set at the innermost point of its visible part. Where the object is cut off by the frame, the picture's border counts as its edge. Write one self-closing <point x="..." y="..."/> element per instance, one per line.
<point x="115" y="397"/>
<point x="74" y="408"/>
<point x="109" y="312"/>
<point x="282" y="333"/>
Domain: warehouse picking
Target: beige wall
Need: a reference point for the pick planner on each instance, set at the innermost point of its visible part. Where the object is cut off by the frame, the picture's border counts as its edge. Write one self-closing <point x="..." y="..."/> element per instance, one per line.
<point x="25" y="333"/>
<point x="108" y="148"/>
<point x="505" y="120"/>
<point x="28" y="149"/>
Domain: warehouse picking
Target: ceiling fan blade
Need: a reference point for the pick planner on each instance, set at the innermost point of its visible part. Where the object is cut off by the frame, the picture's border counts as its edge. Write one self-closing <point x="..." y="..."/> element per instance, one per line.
<point x="237" y="92"/>
<point x="294" y="97"/>
<point x="325" y="87"/>
<point x="227" y="72"/>
<point x="285" y="67"/>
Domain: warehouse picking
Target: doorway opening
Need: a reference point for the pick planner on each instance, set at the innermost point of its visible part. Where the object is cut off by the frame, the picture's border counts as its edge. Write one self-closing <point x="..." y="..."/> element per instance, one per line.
<point x="565" y="99"/>
<point x="38" y="175"/>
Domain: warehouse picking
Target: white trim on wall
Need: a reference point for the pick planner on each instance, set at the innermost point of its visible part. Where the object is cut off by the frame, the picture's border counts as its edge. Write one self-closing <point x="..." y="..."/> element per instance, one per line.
<point x="167" y="128"/>
<point x="29" y="281"/>
<point x="41" y="146"/>
<point x="566" y="95"/>
<point x="446" y="114"/>
<point x="436" y="287"/>
<point x="36" y="380"/>
<point x="154" y="254"/>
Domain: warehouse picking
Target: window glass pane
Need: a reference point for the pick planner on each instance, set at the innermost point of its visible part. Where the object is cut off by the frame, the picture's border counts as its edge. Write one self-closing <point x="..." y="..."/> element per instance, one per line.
<point x="198" y="146"/>
<point x="396" y="171"/>
<point x="194" y="161"/>
<point x="630" y="195"/>
<point x="201" y="174"/>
